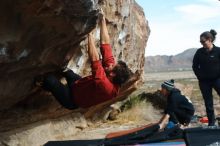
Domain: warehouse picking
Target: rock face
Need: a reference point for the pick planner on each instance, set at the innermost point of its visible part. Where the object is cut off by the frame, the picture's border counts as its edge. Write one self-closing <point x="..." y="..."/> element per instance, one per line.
<point x="43" y="36"/>
<point x="36" y="37"/>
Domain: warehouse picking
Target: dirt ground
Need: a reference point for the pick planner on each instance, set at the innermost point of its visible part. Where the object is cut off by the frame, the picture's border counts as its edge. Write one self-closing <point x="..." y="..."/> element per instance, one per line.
<point x="144" y="114"/>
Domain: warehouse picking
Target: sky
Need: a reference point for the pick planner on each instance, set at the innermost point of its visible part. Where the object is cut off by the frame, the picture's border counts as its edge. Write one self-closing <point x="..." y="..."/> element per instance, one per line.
<point x="177" y="24"/>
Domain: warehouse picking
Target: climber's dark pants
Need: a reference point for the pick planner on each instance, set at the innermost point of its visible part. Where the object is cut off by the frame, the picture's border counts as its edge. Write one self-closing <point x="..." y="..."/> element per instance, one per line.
<point x="206" y="90"/>
<point x="61" y="92"/>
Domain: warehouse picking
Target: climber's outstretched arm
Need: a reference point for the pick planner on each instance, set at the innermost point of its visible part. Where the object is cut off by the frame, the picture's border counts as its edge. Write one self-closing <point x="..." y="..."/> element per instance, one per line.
<point x="104" y="36"/>
<point x="92" y="50"/>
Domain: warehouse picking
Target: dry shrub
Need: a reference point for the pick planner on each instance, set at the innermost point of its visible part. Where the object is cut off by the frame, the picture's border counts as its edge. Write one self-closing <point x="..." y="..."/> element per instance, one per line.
<point x="143" y="111"/>
<point x="156" y="99"/>
<point x="185" y="89"/>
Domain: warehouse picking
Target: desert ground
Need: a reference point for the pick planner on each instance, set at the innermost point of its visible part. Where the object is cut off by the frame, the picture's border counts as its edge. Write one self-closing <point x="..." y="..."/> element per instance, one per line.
<point x="184" y="80"/>
<point x="144" y="113"/>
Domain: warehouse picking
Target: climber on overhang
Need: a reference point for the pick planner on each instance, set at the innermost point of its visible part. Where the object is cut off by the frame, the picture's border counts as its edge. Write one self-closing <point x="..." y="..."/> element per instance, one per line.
<point x="101" y="86"/>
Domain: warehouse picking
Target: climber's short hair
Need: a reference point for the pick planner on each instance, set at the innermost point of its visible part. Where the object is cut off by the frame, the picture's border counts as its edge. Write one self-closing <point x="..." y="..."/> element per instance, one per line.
<point x="122" y="73"/>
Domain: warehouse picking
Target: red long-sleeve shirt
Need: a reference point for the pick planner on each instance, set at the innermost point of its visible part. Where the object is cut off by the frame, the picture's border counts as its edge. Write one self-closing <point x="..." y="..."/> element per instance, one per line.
<point x="96" y="88"/>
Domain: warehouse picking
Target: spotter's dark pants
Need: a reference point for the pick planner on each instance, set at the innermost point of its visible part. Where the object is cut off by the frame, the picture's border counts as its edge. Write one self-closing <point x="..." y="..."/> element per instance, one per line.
<point x="206" y="90"/>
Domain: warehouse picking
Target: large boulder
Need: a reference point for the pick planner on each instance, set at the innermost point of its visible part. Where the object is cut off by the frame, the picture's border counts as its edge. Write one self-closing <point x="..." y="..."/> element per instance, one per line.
<point x="40" y="36"/>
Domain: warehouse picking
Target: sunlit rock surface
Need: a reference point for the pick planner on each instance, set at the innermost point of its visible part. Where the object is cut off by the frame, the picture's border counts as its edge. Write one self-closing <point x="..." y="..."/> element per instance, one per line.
<point x="45" y="35"/>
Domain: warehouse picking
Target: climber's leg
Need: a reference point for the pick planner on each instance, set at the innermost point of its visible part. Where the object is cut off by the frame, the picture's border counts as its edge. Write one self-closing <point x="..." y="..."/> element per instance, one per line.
<point x="61" y="92"/>
<point x="71" y="77"/>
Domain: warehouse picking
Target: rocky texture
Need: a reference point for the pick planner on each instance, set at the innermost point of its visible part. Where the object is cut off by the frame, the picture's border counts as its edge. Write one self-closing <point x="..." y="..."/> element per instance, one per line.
<point x="45" y="35"/>
<point x="36" y="37"/>
<point x="179" y="62"/>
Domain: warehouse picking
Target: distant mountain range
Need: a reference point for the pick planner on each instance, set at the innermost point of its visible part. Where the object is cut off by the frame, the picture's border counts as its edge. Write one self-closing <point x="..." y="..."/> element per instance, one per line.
<point x="179" y="62"/>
